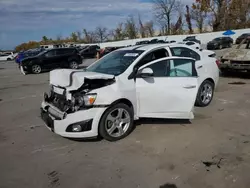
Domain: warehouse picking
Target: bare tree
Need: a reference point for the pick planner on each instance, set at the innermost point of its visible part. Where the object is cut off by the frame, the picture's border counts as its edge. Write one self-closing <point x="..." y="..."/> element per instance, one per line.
<point x="74" y="37"/>
<point x="164" y="11"/>
<point x="79" y="35"/>
<point x="199" y="14"/>
<point x="130" y="28"/>
<point x="141" y="27"/>
<point x="149" y="29"/>
<point x="89" y="37"/>
<point x="188" y="20"/>
<point x="118" y="32"/>
<point x="101" y="34"/>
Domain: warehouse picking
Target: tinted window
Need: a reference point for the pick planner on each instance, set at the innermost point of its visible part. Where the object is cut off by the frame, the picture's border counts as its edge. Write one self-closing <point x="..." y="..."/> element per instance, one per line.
<point x="159" y="68"/>
<point x="181" y="68"/>
<point x="185" y="52"/>
<point x="64" y="51"/>
<point x="50" y="53"/>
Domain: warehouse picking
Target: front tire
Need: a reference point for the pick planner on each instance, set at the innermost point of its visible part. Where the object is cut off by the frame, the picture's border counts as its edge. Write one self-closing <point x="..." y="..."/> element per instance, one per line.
<point x="73" y="65"/>
<point x="205" y="94"/>
<point x="36" y="69"/>
<point x="117" y="122"/>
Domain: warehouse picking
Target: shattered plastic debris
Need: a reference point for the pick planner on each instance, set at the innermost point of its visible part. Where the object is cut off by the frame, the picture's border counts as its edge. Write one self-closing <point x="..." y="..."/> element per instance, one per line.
<point x="212" y="163"/>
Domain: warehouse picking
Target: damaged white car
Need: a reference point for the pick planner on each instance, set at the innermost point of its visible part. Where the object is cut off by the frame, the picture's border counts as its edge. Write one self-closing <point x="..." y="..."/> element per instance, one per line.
<point x="121" y="87"/>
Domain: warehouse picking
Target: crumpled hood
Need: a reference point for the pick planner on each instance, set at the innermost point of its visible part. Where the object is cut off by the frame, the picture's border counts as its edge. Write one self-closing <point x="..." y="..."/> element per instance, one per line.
<point x="73" y="79"/>
<point x="238" y="55"/>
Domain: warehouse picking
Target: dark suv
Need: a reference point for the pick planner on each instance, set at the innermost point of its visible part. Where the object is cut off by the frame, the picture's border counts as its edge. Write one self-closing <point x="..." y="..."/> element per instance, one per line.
<point x="220" y="42"/>
<point x="90" y="51"/>
<point x="51" y="59"/>
<point x="242" y="37"/>
<point x="191" y="38"/>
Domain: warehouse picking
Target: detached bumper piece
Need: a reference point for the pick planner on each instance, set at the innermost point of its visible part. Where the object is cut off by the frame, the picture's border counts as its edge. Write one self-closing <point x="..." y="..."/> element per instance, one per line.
<point x="47" y="119"/>
<point x="234" y="66"/>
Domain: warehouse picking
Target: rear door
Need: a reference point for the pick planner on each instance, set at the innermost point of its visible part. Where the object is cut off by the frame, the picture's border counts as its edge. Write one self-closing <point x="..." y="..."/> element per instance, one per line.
<point x="170" y="92"/>
<point x="50" y="60"/>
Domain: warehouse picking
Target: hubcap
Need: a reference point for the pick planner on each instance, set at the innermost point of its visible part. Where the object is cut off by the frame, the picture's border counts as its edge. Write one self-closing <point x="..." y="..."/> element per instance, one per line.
<point x="117" y="122"/>
<point x="36" y="69"/>
<point x="206" y="93"/>
<point x="74" y="65"/>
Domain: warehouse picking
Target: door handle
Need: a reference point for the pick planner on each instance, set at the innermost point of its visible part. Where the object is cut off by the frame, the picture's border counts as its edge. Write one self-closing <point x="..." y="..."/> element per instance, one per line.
<point x="189" y="87"/>
<point x="199" y="67"/>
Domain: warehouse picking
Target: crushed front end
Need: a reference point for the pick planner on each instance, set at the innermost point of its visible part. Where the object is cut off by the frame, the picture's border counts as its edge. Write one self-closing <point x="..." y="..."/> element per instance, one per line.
<point x="74" y="114"/>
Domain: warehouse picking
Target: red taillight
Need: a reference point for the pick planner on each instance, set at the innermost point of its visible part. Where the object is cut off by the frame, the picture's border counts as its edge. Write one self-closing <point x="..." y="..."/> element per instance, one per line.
<point x="217" y="62"/>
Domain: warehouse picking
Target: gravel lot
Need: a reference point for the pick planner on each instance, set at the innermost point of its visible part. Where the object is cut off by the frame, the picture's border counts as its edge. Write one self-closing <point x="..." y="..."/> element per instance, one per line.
<point x="158" y="152"/>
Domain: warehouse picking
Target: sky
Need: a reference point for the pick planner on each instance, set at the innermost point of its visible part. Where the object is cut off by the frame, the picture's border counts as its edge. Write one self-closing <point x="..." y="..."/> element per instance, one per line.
<point x="25" y="20"/>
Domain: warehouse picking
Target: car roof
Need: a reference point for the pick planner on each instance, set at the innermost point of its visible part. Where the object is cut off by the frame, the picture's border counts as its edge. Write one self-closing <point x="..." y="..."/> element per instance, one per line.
<point x="148" y="47"/>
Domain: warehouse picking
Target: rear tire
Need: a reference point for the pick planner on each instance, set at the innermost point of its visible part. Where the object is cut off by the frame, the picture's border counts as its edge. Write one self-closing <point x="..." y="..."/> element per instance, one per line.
<point x="115" y="126"/>
<point x="8" y="59"/>
<point x="205" y="94"/>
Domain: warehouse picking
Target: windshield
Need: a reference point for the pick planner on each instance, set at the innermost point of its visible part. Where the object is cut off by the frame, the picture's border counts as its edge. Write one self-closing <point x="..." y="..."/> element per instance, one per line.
<point x="116" y="62"/>
<point x="41" y="53"/>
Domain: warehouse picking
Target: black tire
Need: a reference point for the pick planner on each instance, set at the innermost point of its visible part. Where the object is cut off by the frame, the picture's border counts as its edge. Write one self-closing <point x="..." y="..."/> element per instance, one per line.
<point x="102" y="125"/>
<point x="199" y="99"/>
<point x="36" y="69"/>
<point x="8" y="59"/>
<point x="73" y="64"/>
<point x="230" y="45"/>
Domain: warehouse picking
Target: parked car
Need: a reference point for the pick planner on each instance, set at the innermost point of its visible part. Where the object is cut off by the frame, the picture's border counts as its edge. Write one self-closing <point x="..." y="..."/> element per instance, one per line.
<point x="236" y="59"/>
<point x="151" y="81"/>
<point x="142" y="42"/>
<point x="29" y="53"/>
<point x="104" y="51"/>
<point x="90" y="51"/>
<point x="51" y="59"/>
<point x="242" y="37"/>
<point x="192" y="44"/>
<point x="219" y="43"/>
<point x="6" y="56"/>
<point x="192" y="38"/>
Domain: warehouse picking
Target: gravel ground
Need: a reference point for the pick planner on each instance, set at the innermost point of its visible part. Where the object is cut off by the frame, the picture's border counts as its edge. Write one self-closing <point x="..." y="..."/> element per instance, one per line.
<point x="211" y="151"/>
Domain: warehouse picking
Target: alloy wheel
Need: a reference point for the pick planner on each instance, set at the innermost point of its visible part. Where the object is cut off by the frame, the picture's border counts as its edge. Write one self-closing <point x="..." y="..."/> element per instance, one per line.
<point x="117" y="122"/>
<point x="36" y="69"/>
<point x="206" y="93"/>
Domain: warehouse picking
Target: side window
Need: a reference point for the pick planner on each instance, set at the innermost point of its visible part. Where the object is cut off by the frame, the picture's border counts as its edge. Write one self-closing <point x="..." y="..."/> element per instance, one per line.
<point x="185" y="52"/>
<point x="159" y="68"/>
<point x="181" y="68"/>
<point x="157" y="54"/>
<point x="50" y="53"/>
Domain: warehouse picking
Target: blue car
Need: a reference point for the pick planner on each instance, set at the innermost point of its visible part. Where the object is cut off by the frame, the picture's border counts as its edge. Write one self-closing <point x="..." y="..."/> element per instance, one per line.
<point x="28" y="53"/>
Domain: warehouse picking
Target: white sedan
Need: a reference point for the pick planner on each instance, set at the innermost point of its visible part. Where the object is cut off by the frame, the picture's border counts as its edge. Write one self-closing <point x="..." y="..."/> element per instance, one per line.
<point x="6" y="57"/>
<point x="123" y="86"/>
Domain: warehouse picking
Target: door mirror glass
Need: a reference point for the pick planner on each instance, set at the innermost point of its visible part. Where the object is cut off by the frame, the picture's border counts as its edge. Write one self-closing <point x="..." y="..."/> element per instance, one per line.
<point x="146" y="72"/>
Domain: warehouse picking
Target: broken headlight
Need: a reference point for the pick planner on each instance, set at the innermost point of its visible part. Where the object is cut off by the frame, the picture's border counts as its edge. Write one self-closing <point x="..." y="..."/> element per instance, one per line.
<point x="84" y="100"/>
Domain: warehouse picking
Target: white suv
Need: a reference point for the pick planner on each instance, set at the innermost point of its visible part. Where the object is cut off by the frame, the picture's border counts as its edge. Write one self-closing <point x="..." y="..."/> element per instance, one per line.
<point x="129" y="83"/>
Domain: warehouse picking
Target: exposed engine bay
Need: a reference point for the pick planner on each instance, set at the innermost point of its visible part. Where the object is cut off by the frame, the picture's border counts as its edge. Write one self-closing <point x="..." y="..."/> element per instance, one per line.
<point x="82" y="98"/>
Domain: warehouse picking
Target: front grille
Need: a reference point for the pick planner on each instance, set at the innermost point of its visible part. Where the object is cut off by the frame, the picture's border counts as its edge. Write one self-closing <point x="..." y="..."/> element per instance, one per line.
<point x="59" y="101"/>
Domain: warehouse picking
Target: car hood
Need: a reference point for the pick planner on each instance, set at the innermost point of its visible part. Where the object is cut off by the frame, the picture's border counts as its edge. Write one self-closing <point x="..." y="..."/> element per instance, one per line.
<point x="238" y="55"/>
<point x="73" y="79"/>
<point x="213" y="42"/>
<point x="28" y="59"/>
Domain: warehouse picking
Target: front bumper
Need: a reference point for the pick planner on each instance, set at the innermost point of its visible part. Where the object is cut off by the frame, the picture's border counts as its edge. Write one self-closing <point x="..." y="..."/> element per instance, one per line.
<point x="61" y="123"/>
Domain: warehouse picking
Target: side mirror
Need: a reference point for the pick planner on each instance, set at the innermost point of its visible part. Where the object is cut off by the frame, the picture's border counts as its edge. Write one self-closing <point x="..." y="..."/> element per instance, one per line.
<point x="145" y="73"/>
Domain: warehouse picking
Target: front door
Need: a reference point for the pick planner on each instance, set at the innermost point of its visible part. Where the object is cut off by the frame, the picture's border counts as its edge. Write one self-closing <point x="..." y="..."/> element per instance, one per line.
<point x="170" y="92"/>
